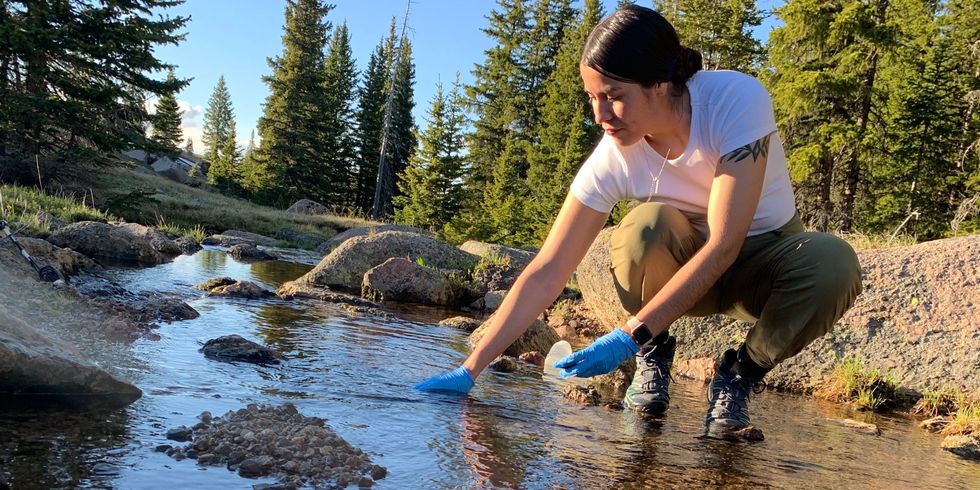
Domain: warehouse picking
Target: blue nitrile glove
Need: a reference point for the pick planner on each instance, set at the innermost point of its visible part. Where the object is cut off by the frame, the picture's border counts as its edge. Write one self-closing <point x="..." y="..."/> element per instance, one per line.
<point x="457" y="381"/>
<point x="602" y="356"/>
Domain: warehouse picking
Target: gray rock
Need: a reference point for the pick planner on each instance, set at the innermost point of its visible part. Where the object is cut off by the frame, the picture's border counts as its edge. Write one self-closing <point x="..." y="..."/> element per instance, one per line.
<point x="399" y="279"/>
<point x="494" y="277"/>
<point x="187" y="245"/>
<point x="180" y="434"/>
<point x="127" y="242"/>
<point x="341" y="237"/>
<point x="514" y="258"/>
<point x="64" y="260"/>
<point x="964" y="446"/>
<point x="346" y="265"/>
<point x="257" y="466"/>
<point x="503" y="364"/>
<point x="53" y="222"/>
<point x="306" y="206"/>
<point x="248" y="251"/>
<point x="32" y="363"/>
<point x="538" y="337"/>
<point x="241" y="289"/>
<point x="296" y="290"/>
<point x="253" y="238"/>
<point x="232" y="348"/>
<point x="493" y="299"/>
<point x="534" y="358"/>
<point x="215" y="282"/>
<point x="464" y="323"/>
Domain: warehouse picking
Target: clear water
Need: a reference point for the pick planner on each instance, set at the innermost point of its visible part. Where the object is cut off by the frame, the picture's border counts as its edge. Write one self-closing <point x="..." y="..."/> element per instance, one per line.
<point x="513" y="431"/>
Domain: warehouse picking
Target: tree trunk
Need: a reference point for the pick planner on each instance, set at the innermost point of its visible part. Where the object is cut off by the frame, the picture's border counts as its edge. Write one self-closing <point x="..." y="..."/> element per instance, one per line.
<point x="853" y="172"/>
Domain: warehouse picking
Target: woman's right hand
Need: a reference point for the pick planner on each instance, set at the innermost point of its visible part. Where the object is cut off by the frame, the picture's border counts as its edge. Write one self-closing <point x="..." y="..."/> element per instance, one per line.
<point x="458" y="382"/>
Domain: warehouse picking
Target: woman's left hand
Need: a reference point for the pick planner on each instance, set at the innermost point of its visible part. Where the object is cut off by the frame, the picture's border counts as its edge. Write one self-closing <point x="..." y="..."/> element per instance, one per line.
<point x="601" y="357"/>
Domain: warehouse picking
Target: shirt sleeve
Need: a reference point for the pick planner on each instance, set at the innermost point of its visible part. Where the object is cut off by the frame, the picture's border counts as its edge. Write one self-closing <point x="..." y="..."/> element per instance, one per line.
<point x="601" y="182"/>
<point x="743" y="114"/>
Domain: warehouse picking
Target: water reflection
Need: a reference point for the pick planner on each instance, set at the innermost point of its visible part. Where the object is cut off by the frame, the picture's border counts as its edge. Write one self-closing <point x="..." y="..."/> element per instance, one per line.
<point x="60" y="449"/>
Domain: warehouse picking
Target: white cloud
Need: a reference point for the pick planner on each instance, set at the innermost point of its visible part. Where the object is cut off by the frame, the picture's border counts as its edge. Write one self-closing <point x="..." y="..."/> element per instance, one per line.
<point x="192" y="122"/>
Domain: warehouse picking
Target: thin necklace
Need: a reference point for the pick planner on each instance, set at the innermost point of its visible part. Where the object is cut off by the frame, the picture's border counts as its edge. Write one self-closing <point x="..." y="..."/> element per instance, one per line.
<point x="655" y="183"/>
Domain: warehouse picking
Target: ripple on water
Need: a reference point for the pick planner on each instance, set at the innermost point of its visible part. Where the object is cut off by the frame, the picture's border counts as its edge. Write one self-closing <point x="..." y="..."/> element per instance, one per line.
<point x="513" y="431"/>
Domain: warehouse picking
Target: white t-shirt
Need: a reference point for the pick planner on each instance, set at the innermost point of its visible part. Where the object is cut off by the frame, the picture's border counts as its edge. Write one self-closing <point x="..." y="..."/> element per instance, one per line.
<point x="728" y="110"/>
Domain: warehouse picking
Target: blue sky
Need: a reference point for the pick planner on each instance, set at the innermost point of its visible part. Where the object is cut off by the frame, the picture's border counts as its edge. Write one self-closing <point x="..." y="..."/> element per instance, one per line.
<point x="235" y="37"/>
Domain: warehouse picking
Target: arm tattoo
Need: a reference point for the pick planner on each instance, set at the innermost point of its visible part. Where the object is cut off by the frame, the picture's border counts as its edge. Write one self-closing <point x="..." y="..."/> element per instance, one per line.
<point x="754" y="149"/>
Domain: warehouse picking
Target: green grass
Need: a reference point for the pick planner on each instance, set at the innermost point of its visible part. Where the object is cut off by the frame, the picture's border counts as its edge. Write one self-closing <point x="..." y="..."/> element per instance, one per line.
<point x="22" y="204"/>
<point x="492" y="258"/>
<point x="154" y="200"/>
<point x="864" y="241"/>
<point x="936" y="402"/>
<point x="851" y="382"/>
<point x="966" y="420"/>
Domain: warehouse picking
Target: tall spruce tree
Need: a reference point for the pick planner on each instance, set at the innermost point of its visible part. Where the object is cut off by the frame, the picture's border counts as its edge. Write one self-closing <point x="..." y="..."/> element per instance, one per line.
<point x="218" y="118"/>
<point x="403" y="142"/>
<point x="167" y="132"/>
<point x="340" y="152"/>
<point x="292" y="124"/>
<point x="370" y="122"/>
<point x="567" y="132"/>
<point x="720" y="29"/>
<point x="824" y="67"/>
<point x="74" y="80"/>
<point x="431" y="186"/>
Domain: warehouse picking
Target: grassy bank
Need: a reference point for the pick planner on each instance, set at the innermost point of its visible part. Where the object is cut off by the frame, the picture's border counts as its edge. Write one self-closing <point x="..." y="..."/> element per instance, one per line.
<point x="171" y="207"/>
<point x="156" y="201"/>
<point x="24" y="208"/>
<point x="869" y="389"/>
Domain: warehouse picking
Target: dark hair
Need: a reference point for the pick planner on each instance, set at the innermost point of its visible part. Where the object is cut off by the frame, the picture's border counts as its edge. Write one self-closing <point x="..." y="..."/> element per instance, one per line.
<point x="637" y="45"/>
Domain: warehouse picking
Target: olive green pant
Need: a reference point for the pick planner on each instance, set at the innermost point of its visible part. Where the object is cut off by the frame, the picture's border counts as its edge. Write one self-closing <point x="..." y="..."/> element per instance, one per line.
<point x="793" y="284"/>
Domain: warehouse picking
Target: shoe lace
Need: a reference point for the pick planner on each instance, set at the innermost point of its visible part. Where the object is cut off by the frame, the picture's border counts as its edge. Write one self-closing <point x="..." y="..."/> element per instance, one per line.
<point x="733" y="393"/>
<point x="661" y="370"/>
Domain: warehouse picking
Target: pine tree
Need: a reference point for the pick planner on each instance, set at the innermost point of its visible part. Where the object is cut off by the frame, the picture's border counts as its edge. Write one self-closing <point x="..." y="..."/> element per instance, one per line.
<point x="431" y="186"/>
<point x="567" y="133"/>
<point x="340" y="77"/>
<point x="218" y="120"/>
<point x="251" y="144"/>
<point x="720" y="29"/>
<point x="370" y="120"/>
<point x="189" y="146"/>
<point x="402" y="131"/>
<point x="73" y="100"/>
<point x="167" y="132"/>
<point x="824" y="67"/>
<point x="494" y="94"/>
<point x="292" y="123"/>
<point x="224" y="169"/>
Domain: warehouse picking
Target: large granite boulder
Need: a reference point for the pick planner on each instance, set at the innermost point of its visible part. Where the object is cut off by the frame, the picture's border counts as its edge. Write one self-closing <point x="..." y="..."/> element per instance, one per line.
<point x="248" y="237"/>
<point x="64" y="260"/>
<point x="346" y="265"/>
<point x="307" y="206"/>
<point x="399" y="279"/>
<point x="514" y="258"/>
<point x="37" y="365"/>
<point x="128" y="242"/>
<point x="240" y="289"/>
<point x="915" y="320"/>
<point x="341" y="237"/>
<point x="538" y="337"/>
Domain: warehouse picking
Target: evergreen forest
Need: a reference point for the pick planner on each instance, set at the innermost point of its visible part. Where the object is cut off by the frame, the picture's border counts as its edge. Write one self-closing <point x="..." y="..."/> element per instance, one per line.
<point x="876" y="103"/>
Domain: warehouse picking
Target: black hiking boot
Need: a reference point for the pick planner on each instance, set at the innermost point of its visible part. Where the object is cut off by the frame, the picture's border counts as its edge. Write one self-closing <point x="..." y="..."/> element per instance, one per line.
<point x="736" y="377"/>
<point x="648" y="391"/>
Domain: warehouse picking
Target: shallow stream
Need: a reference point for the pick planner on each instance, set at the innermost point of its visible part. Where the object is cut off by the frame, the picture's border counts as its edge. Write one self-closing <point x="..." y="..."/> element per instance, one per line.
<point x="513" y="431"/>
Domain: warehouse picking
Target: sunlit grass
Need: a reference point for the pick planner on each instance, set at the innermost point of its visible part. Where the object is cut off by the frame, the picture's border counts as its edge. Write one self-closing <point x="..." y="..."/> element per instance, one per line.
<point x="21" y="206"/>
<point x="863" y="241"/>
<point x="851" y="382"/>
<point x="150" y="200"/>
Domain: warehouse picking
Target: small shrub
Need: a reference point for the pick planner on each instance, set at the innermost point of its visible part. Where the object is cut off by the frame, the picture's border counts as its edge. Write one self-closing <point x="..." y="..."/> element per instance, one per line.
<point x="933" y="403"/>
<point x="966" y="420"/>
<point x="852" y="382"/>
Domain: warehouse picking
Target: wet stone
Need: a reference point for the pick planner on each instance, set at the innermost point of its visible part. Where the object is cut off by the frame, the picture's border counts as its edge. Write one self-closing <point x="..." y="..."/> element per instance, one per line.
<point x="583" y="395"/>
<point x="859" y="427"/>
<point x="534" y="357"/>
<point x="162" y="448"/>
<point x="503" y="364"/>
<point x="180" y="434"/>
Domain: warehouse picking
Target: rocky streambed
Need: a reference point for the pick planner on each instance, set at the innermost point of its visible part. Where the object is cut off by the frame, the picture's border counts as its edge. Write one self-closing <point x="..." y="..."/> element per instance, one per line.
<point x="342" y="352"/>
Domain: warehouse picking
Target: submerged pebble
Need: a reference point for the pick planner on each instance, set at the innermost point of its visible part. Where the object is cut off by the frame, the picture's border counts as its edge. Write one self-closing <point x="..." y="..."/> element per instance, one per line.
<point x="259" y="441"/>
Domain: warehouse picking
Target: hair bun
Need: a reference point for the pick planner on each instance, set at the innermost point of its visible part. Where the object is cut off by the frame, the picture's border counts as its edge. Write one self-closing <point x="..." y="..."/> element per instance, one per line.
<point x="687" y="64"/>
